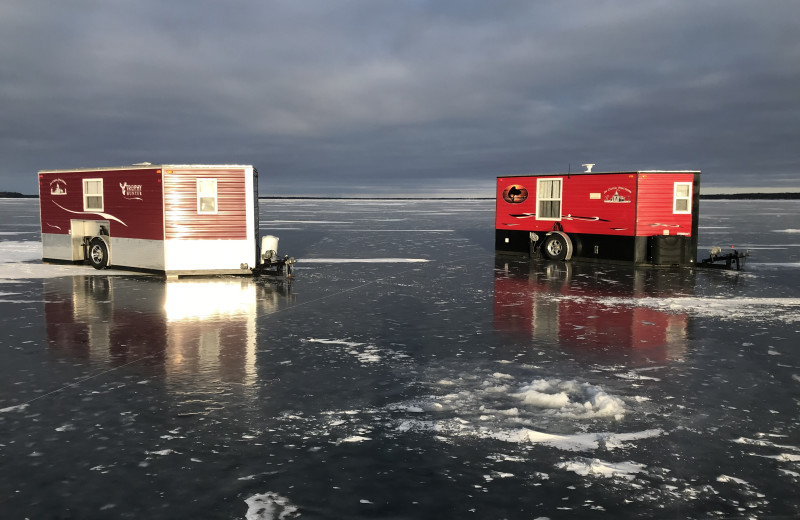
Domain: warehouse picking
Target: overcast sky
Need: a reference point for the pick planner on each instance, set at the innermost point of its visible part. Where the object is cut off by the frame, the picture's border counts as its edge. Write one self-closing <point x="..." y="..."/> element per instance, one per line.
<point x="394" y="97"/>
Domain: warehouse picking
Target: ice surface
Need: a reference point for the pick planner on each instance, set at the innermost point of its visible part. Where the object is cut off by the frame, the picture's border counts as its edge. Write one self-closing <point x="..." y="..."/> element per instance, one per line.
<point x="302" y="261"/>
<point x="406" y="372"/>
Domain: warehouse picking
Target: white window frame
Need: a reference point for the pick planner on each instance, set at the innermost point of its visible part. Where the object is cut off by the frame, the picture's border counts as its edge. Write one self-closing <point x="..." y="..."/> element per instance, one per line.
<point x="676" y="198"/>
<point x="203" y="195"/>
<point x="86" y="196"/>
<point x="540" y="199"/>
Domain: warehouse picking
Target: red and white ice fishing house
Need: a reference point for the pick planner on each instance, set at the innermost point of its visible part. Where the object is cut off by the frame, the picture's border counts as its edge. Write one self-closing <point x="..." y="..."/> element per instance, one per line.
<point x="643" y="217"/>
<point x="176" y="219"/>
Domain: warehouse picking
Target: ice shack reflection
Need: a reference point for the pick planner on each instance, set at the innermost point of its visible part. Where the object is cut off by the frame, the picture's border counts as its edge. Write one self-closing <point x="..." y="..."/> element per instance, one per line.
<point x="183" y="328"/>
<point x="591" y="310"/>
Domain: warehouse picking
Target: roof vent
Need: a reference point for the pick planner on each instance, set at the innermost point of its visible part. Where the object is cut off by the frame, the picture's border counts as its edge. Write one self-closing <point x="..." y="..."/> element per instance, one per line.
<point x="150" y="164"/>
<point x="588" y="167"/>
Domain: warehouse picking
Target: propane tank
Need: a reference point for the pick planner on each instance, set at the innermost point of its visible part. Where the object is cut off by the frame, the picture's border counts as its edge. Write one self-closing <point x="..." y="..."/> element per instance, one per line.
<point x="269" y="248"/>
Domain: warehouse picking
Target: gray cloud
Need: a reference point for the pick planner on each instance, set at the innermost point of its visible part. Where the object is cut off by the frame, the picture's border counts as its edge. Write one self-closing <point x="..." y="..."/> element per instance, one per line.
<point x="361" y="96"/>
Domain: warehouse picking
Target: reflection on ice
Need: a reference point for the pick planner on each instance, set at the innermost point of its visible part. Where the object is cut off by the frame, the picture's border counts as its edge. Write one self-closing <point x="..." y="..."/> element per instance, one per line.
<point x="190" y="299"/>
<point x="198" y="327"/>
<point x="568" y="304"/>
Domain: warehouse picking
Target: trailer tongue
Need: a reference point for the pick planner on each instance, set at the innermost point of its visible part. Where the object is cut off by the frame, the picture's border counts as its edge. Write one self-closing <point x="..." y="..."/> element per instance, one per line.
<point x="733" y="260"/>
<point x="270" y="262"/>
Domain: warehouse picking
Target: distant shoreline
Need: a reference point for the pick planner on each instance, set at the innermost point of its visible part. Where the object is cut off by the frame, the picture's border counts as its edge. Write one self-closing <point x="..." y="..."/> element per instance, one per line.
<point x="728" y="196"/>
<point x="714" y="196"/>
<point x="752" y="196"/>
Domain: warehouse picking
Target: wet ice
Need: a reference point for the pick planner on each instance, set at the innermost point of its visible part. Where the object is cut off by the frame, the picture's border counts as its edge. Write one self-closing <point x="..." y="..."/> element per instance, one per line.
<point x="377" y="384"/>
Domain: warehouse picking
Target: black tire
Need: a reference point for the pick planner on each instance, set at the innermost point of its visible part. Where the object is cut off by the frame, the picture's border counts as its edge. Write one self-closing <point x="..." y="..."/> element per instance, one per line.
<point x="555" y="247"/>
<point x="98" y="253"/>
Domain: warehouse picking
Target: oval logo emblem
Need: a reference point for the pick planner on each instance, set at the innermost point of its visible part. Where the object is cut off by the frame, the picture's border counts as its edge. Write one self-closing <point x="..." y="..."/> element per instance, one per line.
<point x="515" y="194"/>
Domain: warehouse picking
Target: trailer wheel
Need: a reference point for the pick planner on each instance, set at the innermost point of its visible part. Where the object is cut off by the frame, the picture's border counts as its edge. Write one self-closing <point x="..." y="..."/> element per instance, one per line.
<point x="555" y="247"/>
<point x="98" y="253"/>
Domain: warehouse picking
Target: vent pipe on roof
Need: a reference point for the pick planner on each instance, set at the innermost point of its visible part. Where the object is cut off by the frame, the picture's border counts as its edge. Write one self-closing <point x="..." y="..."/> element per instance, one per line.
<point x="588" y="167"/>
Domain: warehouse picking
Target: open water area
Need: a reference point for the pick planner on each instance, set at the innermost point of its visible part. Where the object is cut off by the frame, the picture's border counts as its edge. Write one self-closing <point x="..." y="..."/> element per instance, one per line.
<point x="406" y="372"/>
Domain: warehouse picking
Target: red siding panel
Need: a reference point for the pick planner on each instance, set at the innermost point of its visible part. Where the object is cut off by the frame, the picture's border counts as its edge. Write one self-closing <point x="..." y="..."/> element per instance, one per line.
<point x="182" y="220"/>
<point x="132" y="201"/>
<point x="617" y="204"/>
<point x="655" y="207"/>
<point x="595" y="204"/>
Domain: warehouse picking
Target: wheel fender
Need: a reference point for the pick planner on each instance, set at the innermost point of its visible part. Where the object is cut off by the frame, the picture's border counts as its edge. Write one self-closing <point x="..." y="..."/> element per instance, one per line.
<point x="567" y="240"/>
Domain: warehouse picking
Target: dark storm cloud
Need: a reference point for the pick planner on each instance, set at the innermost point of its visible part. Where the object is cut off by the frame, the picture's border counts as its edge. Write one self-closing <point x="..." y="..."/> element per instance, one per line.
<point x="363" y="96"/>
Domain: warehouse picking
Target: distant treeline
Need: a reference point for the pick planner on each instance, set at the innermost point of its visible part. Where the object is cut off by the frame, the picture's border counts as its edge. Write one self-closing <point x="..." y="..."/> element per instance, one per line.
<point x="763" y="196"/>
<point x="15" y="195"/>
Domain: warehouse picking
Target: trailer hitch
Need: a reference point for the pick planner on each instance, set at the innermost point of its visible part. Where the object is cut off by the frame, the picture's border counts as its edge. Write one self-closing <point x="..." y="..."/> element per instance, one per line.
<point x="732" y="260"/>
<point x="274" y="266"/>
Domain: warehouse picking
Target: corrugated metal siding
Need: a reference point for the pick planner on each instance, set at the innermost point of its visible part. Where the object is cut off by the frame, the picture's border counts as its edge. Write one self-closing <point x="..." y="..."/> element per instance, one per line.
<point x="180" y="205"/>
<point x="654" y="213"/>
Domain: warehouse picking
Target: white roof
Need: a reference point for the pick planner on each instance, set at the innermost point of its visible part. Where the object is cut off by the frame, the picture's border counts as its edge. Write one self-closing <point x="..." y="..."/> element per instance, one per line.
<point x="561" y="174"/>
<point x="148" y="166"/>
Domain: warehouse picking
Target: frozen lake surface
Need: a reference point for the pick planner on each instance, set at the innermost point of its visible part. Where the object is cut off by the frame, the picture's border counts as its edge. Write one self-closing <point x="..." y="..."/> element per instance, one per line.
<point x="406" y="372"/>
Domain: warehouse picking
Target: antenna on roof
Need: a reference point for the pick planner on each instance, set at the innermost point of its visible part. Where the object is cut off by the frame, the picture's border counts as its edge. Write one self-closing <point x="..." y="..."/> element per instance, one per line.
<point x="588" y="167"/>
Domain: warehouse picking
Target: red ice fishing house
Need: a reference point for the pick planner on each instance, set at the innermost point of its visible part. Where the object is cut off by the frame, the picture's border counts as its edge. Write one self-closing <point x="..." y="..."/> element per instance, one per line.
<point x="176" y="219"/>
<point x="642" y="217"/>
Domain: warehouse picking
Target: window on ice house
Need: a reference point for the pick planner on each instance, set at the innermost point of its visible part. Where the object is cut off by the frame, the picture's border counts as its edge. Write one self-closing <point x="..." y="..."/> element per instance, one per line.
<point x="207" y="196"/>
<point x="682" y="201"/>
<point x="92" y="194"/>
<point x="548" y="199"/>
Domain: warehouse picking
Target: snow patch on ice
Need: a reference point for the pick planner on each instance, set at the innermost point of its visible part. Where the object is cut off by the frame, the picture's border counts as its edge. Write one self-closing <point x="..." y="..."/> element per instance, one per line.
<point x="23" y="260"/>
<point x="17" y="408"/>
<point x="571" y="398"/>
<point x="770" y="265"/>
<point x="490" y="406"/>
<point x="599" y="468"/>
<point x="362" y="351"/>
<point x="634" y="375"/>
<point x="336" y="342"/>
<point x="161" y="453"/>
<point x="570" y="442"/>
<point x="450" y="429"/>
<point x="765" y="443"/>
<point x="269" y="506"/>
<point x="784" y="457"/>
<point x="356" y="438"/>
<point x="781" y="309"/>
<point x="728" y="478"/>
